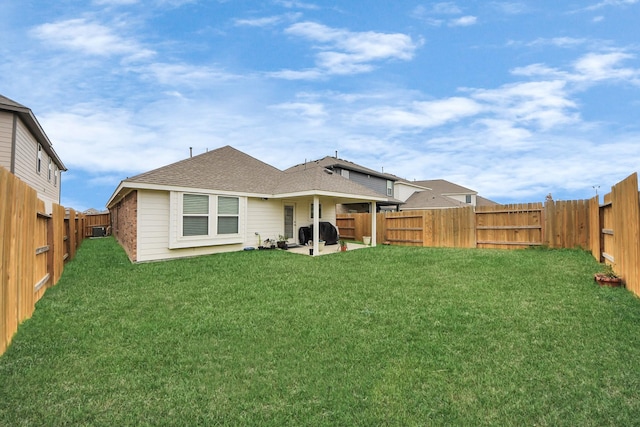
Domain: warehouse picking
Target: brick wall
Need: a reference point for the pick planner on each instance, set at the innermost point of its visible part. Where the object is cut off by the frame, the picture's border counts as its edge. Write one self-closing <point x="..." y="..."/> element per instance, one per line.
<point x="124" y="223"/>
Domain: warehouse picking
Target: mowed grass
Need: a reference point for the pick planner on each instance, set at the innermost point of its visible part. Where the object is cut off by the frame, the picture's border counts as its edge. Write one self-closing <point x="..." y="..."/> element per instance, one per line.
<point x="382" y="336"/>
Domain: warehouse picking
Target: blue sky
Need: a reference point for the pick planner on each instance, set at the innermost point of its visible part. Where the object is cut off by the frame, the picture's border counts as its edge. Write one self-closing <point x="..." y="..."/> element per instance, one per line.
<point x="514" y="99"/>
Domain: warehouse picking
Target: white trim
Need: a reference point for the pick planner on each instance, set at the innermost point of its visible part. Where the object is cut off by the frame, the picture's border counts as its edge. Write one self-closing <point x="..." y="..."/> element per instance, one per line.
<point x="177" y="240"/>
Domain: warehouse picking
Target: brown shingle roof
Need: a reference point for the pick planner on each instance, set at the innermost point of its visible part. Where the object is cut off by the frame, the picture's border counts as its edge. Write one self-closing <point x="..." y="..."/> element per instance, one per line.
<point x="228" y="169"/>
<point x="27" y="116"/>
<point x="225" y="169"/>
<point x="442" y="186"/>
<point x="428" y="199"/>
<point x="330" y="162"/>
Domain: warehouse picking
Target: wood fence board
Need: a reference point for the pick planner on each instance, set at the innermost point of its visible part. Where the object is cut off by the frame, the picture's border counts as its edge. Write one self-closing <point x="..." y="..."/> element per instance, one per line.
<point x="31" y="251"/>
<point x="626" y="231"/>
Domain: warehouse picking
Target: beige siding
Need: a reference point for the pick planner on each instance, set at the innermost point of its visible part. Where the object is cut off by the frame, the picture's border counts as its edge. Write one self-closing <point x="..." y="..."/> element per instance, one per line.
<point x="25" y="167"/>
<point x="153" y="231"/>
<point x="403" y="192"/>
<point x="6" y="132"/>
<point x="265" y="217"/>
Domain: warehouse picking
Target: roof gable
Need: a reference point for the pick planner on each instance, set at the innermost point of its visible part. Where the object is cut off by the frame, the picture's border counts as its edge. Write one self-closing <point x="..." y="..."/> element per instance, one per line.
<point x="427" y="199"/>
<point x="334" y="162"/>
<point x="442" y="186"/>
<point x="228" y="169"/>
<point x="29" y="119"/>
<point x="224" y="169"/>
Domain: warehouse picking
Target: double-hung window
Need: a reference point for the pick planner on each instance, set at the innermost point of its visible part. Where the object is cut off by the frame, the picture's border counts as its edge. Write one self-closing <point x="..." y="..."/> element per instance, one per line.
<point x="228" y="215"/>
<point x="195" y="215"/>
<point x="198" y="219"/>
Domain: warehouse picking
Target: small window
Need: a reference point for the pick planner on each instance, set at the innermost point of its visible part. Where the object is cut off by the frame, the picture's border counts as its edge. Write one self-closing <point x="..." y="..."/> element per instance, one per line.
<point x="195" y="211"/>
<point x="389" y="188"/>
<point x="319" y="211"/>
<point x="228" y="213"/>
<point x="39" y="159"/>
<point x="345" y="173"/>
<point x="50" y="170"/>
<point x="55" y="177"/>
<point x="468" y="198"/>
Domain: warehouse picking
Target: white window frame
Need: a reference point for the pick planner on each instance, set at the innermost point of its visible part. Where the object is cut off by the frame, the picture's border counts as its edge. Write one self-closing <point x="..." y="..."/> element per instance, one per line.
<point x="50" y="170"/>
<point x="176" y="221"/>
<point x="389" y="188"/>
<point x="319" y="211"/>
<point x="39" y="159"/>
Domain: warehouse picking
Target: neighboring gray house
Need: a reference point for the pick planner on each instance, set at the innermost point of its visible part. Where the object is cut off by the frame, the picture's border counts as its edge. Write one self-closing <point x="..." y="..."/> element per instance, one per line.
<point x="225" y="200"/>
<point x="380" y="182"/>
<point x="437" y="194"/>
<point x="27" y="152"/>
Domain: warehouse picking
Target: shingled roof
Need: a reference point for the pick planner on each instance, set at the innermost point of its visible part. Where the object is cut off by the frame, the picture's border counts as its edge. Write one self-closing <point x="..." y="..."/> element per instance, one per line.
<point x="228" y="169"/>
<point x="29" y="119"/>
<point x="224" y="169"/>
<point x="332" y="162"/>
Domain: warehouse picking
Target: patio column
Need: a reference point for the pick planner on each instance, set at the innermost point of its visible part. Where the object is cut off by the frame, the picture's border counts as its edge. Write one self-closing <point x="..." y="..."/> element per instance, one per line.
<point x="374" y="224"/>
<point x="316" y="225"/>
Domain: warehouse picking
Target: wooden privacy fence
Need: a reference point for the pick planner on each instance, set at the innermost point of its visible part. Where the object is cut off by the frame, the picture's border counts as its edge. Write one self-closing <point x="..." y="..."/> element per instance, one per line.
<point x="97" y="225"/>
<point x="555" y="224"/>
<point x="615" y="231"/>
<point x="33" y="248"/>
<point x="611" y="231"/>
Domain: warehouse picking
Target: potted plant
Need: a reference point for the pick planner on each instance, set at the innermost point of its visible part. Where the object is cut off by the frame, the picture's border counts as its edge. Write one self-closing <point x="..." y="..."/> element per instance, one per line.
<point x="282" y="242"/>
<point x="343" y="246"/>
<point x="607" y="277"/>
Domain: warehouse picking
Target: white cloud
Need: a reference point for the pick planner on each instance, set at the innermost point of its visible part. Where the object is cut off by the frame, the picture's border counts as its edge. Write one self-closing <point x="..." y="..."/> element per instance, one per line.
<point x="463" y="21"/>
<point x="268" y="21"/>
<point x="544" y="104"/>
<point x="604" y="66"/>
<point x="347" y="52"/>
<point x="445" y="8"/>
<point x="90" y="38"/>
<point x="614" y="3"/>
<point x="297" y="5"/>
<point x="183" y="74"/>
<point x="422" y="114"/>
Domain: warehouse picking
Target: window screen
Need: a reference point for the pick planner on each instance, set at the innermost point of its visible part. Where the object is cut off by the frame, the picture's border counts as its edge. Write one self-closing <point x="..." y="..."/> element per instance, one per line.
<point x="195" y="210"/>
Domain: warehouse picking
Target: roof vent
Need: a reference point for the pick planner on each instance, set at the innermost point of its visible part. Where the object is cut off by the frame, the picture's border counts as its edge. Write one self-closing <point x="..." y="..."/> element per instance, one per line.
<point x="330" y="172"/>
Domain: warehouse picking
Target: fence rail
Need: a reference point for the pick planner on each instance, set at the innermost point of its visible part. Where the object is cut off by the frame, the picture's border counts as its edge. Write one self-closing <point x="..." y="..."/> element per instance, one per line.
<point x="611" y="231"/>
<point x="33" y="248"/>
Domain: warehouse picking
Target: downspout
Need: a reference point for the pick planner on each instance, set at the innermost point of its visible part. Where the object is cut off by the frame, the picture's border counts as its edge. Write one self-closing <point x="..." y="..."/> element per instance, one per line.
<point x="374" y="224"/>
<point x="316" y="225"/>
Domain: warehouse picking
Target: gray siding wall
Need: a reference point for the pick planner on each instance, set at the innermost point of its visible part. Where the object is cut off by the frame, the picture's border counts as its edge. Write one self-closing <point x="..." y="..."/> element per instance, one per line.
<point x="6" y="132"/>
<point x="373" y="182"/>
<point x="25" y="167"/>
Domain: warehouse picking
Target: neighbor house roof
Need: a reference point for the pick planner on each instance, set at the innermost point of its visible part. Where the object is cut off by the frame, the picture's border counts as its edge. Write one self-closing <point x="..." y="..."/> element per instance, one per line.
<point x="228" y="169"/>
<point x="29" y="119"/>
<point x="429" y="199"/>
<point x="442" y="186"/>
<point x="333" y="162"/>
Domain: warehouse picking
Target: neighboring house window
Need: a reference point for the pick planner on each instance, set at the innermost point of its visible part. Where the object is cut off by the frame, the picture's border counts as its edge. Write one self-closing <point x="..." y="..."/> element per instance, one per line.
<point x="319" y="211"/>
<point x="50" y="169"/>
<point x="389" y="188"/>
<point x="468" y="198"/>
<point x="228" y="215"/>
<point x="55" y="177"/>
<point x="345" y="173"/>
<point x="39" y="159"/>
<point x="195" y="215"/>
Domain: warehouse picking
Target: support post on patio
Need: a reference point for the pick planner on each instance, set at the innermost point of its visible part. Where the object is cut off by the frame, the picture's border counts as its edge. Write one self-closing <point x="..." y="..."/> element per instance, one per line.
<point x="316" y="225"/>
<point x="374" y="220"/>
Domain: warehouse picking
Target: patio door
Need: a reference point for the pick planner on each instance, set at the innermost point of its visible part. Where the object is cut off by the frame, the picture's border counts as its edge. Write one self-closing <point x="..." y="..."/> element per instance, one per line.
<point x="289" y="221"/>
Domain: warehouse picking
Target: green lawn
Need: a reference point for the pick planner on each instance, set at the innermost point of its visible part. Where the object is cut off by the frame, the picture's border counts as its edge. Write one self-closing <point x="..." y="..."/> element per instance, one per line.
<point x="383" y="336"/>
